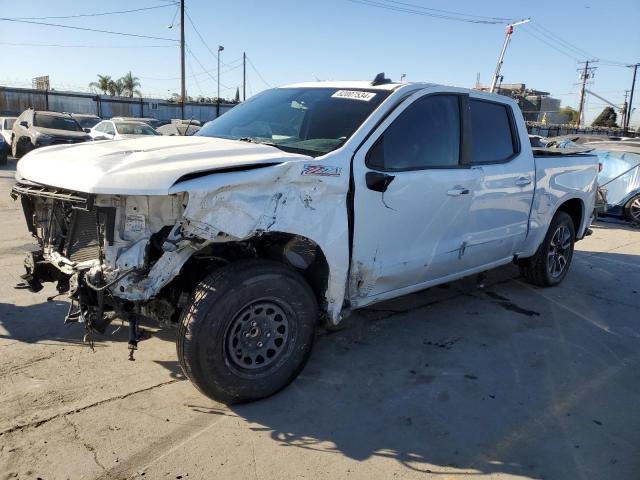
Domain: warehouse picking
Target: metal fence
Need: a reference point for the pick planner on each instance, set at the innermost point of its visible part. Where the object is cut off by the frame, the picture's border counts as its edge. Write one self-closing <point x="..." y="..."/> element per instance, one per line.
<point x="550" y="130"/>
<point x="14" y="101"/>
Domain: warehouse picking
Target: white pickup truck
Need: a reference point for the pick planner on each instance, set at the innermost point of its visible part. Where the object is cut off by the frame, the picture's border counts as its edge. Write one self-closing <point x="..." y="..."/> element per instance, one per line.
<point x="301" y="204"/>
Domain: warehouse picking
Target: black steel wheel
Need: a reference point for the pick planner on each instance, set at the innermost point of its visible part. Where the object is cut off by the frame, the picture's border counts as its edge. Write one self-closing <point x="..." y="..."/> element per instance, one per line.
<point x="258" y="335"/>
<point x="247" y="331"/>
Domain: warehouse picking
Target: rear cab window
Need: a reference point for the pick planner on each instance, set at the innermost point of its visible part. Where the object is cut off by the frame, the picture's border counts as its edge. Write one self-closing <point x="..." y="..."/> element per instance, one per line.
<point x="493" y="132"/>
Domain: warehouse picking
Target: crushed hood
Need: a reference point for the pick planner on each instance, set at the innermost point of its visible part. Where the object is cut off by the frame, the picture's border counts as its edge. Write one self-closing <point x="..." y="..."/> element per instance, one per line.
<point x="141" y="166"/>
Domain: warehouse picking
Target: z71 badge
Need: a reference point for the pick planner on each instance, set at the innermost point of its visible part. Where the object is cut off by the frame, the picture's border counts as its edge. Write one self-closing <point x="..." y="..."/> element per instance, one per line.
<point x="322" y="170"/>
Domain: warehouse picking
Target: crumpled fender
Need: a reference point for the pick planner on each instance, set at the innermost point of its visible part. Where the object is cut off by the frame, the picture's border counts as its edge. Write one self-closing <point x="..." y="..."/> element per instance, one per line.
<point x="301" y="198"/>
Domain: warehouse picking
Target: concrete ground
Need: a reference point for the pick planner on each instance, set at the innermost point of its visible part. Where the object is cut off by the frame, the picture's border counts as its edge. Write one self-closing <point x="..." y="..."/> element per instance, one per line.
<point x="509" y="381"/>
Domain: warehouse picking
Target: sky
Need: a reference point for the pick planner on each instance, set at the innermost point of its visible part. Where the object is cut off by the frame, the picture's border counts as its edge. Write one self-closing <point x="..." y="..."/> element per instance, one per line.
<point x="290" y="41"/>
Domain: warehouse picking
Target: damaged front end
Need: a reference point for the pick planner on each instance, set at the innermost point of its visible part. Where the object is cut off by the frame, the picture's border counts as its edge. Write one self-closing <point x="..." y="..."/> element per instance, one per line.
<point x="112" y="254"/>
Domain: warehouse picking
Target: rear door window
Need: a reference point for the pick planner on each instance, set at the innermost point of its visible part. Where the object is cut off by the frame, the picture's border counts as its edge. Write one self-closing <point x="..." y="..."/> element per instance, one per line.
<point x="492" y="132"/>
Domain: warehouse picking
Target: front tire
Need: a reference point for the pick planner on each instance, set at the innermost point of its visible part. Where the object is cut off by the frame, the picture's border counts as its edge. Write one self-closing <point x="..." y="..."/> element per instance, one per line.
<point x="632" y="210"/>
<point x="550" y="264"/>
<point x="247" y="331"/>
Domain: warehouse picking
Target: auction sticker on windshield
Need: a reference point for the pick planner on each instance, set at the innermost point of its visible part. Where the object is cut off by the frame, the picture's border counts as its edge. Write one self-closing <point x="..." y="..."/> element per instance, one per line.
<point x="354" y="95"/>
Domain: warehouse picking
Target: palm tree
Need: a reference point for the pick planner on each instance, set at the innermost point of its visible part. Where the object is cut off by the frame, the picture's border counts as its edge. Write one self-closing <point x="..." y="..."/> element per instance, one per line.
<point x="102" y="84"/>
<point x="131" y="84"/>
<point x="116" y="88"/>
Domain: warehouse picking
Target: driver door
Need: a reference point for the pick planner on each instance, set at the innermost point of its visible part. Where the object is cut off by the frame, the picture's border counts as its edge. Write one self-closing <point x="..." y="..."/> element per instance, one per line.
<point x="412" y="200"/>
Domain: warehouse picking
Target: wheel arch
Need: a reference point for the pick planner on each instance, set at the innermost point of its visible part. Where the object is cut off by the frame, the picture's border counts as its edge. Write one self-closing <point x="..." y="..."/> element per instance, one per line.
<point x="298" y="252"/>
<point x="575" y="208"/>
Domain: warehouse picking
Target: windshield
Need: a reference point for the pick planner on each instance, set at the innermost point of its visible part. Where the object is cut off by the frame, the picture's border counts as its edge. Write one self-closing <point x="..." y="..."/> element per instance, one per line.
<point x="56" y="123"/>
<point x="8" y="123"/>
<point x="312" y="121"/>
<point x="132" y="128"/>
<point x="88" y="122"/>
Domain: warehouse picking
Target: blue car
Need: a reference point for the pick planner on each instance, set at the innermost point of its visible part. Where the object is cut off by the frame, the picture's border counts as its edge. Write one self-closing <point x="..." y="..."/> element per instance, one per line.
<point x="620" y="176"/>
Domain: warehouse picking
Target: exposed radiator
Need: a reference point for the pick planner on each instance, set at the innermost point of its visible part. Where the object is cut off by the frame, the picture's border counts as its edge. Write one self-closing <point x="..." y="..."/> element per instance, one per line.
<point x="83" y="243"/>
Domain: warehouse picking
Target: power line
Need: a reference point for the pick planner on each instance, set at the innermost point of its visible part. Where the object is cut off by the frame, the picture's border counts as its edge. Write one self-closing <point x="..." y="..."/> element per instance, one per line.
<point x="58" y="45"/>
<point x="205" y="72"/>
<point x="195" y="78"/>
<point x="93" y="14"/>
<point x="573" y="48"/>
<point x="397" y="6"/>
<point x="529" y="32"/>
<point x="215" y="79"/>
<point x="499" y="19"/>
<point x="87" y="29"/>
<point x="258" y="73"/>
<point x="202" y="39"/>
<point x="548" y="33"/>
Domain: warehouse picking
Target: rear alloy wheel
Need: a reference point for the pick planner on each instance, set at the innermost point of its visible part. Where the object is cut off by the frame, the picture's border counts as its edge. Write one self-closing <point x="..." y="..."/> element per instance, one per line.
<point x="247" y="331"/>
<point x="559" y="252"/>
<point x="550" y="264"/>
<point x="632" y="210"/>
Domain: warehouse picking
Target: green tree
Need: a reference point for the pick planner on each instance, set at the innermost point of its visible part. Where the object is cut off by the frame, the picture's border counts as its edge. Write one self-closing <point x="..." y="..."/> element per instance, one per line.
<point x="116" y="87"/>
<point x="237" y="99"/>
<point x="102" y="84"/>
<point x="607" y="118"/>
<point x="571" y="115"/>
<point x="130" y="85"/>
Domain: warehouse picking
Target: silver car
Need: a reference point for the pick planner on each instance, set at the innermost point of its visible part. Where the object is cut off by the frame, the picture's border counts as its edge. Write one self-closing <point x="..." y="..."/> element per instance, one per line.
<point x="120" y="129"/>
<point x="620" y="176"/>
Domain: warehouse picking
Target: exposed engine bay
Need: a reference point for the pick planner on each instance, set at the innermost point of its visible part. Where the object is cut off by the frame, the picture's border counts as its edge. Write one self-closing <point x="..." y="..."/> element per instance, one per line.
<point x="129" y="257"/>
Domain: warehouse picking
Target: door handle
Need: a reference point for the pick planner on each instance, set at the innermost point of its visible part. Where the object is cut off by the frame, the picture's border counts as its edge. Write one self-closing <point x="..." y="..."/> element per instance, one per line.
<point x="457" y="191"/>
<point x="523" y="181"/>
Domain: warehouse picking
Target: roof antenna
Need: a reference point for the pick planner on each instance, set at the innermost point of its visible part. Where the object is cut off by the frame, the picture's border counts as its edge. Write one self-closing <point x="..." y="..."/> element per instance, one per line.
<point x="380" y="80"/>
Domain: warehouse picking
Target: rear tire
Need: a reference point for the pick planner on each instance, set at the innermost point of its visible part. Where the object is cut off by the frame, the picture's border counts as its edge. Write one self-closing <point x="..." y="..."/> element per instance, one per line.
<point x="550" y="264"/>
<point x="247" y="331"/>
<point x="632" y="210"/>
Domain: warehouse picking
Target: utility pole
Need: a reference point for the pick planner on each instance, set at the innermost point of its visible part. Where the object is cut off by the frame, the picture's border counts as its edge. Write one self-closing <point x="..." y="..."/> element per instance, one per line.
<point x="627" y="117"/>
<point x="587" y="72"/>
<point x="220" y="48"/>
<point x="183" y="90"/>
<point x="244" y="76"/>
<point x="625" y="105"/>
<point x="507" y="39"/>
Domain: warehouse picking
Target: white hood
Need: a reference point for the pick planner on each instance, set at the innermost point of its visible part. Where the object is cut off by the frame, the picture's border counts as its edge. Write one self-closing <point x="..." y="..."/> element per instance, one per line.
<point x="142" y="166"/>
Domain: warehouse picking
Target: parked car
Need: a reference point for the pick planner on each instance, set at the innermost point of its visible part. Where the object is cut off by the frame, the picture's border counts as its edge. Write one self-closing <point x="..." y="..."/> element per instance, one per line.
<point x="178" y="129"/>
<point x="121" y="129"/>
<point x="86" y="120"/>
<point x="152" y="122"/>
<point x="33" y="129"/>
<point x="6" y="124"/>
<point x="186" y="121"/>
<point x="305" y="202"/>
<point x="4" y="151"/>
<point x="620" y="176"/>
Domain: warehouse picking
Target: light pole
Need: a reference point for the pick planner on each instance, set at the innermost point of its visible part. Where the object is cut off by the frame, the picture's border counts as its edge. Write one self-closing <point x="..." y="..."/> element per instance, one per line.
<point x="220" y="48"/>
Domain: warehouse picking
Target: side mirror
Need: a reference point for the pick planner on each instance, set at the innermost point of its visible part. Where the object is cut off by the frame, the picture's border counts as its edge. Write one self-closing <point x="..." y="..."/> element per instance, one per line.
<point x="24" y="124"/>
<point x="378" y="181"/>
<point x="86" y="130"/>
